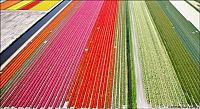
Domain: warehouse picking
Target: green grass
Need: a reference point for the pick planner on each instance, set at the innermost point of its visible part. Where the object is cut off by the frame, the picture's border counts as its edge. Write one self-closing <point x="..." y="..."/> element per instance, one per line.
<point x="186" y="70"/>
<point x="188" y="34"/>
<point x="162" y="88"/>
<point x="133" y="103"/>
<point x="198" y="1"/>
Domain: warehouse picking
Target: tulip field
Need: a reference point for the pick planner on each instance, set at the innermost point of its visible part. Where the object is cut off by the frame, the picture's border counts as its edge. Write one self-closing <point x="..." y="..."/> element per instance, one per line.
<point x="191" y="43"/>
<point x="98" y="54"/>
<point x="186" y="69"/>
<point x="160" y="81"/>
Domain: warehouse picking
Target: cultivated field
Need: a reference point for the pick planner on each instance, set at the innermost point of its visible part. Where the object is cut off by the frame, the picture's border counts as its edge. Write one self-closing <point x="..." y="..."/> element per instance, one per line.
<point x="99" y="54"/>
<point x="187" y="32"/>
<point x="120" y="89"/>
<point x="161" y="84"/>
<point x="186" y="70"/>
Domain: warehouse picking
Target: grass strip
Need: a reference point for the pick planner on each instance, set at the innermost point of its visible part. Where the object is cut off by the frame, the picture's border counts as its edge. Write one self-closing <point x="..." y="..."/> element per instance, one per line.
<point x="130" y="62"/>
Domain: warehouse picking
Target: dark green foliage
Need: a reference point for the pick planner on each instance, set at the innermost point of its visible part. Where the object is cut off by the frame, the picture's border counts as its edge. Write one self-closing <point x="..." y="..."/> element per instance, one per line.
<point x="188" y="34"/>
<point x="186" y="69"/>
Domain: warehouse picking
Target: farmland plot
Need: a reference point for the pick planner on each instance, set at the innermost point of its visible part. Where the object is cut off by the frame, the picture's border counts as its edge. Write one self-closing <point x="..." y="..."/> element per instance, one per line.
<point x="92" y="84"/>
<point x="189" y="34"/>
<point x="120" y="91"/>
<point x="161" y="84"/>
<point x="186" y="70"/>
<point x="49" y="73"/>
<point x="130" y="60"/>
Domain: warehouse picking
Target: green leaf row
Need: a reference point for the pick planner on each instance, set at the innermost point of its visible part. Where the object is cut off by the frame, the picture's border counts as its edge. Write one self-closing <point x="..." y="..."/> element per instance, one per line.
<point x="186" y="70"/>
<point x="187" y="32"/>
<point x="120" y="90"/>
<point x="162" y="87"/>
<point x="131" y="76"/>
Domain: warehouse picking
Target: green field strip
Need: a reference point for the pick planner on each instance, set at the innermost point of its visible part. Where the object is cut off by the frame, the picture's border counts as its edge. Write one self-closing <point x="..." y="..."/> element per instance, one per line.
<point x="124" y="72"/>
<point x="186" y="70"/>
<point x="186" y="31"/>
<point x="120" y="92"/>
<point x="19" y="5"/>
<point x="115" y="94"/>
<point x="161" y="84"/>
<point x="131" y="78"/>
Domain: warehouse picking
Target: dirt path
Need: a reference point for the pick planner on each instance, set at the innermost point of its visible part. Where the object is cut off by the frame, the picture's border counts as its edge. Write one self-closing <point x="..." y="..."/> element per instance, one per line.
<point x="141" y="98"/>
